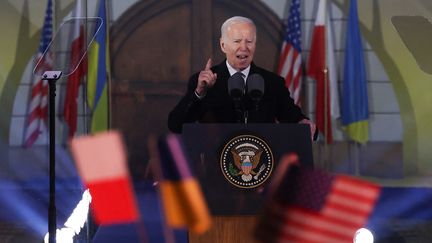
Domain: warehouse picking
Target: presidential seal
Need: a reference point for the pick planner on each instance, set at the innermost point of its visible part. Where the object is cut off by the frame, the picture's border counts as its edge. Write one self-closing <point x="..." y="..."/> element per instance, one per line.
<point x="246" y="161"/>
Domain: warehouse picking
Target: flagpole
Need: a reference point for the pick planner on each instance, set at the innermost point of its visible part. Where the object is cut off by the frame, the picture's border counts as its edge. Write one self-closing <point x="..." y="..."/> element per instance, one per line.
<point x="85" y="106"/>
<point x="108" y="65"/>
<point x="325" y="80"/>
<point x="155" y="166"/>
<point x="326" y="89"/>
<point x="357" y="159"/>
<point x="84" y="84"/>
<point x="325" y="71"/>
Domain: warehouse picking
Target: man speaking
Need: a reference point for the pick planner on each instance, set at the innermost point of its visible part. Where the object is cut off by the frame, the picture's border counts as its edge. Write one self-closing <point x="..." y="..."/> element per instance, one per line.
<point x="236" y="90"/>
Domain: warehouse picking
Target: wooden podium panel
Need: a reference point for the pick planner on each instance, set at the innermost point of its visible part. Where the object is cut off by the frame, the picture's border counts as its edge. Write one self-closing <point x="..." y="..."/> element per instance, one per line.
<point x="228" y="229"/>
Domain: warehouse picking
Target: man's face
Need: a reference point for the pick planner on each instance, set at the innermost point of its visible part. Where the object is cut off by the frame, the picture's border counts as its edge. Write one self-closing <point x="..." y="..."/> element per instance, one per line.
<point x="239" y="45"/>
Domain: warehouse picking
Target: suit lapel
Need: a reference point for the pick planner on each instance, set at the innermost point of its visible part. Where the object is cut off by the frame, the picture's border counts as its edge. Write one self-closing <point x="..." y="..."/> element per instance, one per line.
<point x="221" y="86"/>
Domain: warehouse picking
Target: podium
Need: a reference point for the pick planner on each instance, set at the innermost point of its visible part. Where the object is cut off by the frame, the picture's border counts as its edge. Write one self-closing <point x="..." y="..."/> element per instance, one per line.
<point x="233" y="163"/>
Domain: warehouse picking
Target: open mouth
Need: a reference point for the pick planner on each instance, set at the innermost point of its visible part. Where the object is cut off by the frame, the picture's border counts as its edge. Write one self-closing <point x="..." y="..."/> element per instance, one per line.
<point x="242" y="57"/>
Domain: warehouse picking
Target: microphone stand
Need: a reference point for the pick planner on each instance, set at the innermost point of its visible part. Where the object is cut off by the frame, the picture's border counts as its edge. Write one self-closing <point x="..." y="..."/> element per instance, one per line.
<point x="255" y="98"/>
<point x="244" y="106"/>
<point x="254" y="91"/>
<point x="239" y="108"/>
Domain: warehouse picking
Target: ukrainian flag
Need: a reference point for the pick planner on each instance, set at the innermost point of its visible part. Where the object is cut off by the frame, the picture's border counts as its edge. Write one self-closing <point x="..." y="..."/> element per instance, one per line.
<point x="98" y="75"/>
<point x="355" y="111"/>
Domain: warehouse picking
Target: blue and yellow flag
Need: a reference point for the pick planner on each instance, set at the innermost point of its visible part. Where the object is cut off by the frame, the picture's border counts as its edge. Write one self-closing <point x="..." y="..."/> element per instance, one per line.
<point x="98" y="75"/>
<point x="355" y="111"/>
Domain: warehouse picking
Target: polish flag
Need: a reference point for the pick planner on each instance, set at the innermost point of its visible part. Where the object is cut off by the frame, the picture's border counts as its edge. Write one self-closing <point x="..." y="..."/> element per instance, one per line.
<point x="322" y="68"/>
<point x="77" y="68"/>
<point x="101" y="162"/>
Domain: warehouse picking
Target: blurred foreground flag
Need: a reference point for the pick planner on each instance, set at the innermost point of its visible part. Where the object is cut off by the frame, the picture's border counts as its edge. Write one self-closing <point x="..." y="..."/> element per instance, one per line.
<point x="183" y="202"/>
<point x="314" y="206"/>
<point x="101" y="162"/>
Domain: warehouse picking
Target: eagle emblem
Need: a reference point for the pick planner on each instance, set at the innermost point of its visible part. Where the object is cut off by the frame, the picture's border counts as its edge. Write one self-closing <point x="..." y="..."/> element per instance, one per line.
<point x="246" y="161"/>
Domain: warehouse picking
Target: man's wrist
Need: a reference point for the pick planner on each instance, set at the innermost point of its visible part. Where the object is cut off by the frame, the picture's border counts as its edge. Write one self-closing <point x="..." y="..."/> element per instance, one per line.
<point x="199" y="95"/>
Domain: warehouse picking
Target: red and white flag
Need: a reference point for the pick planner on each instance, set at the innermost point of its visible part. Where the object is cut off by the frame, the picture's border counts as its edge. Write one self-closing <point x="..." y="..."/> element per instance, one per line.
<point x="38" y="104"/>
<point x="322" y="68"/>
<point x="78" y="67"/>
<point x="102" y="165"/>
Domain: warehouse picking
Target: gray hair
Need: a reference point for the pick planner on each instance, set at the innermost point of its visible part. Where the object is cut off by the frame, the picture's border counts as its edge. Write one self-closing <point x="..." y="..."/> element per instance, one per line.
<point x="233" y="20"/>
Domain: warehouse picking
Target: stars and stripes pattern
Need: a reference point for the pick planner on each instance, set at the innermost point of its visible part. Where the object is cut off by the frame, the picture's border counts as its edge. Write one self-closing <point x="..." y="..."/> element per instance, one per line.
<point x="290" y="61"/>
<point x="38" y="105"/>
<point x="318" y="208"/>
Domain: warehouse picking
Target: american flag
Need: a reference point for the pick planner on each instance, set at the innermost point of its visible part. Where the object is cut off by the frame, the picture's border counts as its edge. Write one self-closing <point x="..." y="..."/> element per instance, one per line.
<point x="290" y="61"/>
<point x="314" y="206"/>
<point x="38" y="105"/>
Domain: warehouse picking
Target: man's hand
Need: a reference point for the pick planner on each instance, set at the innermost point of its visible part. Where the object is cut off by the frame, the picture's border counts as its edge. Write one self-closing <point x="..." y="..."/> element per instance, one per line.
<point x="311" y="125"/>
<point x="206" y="79"/>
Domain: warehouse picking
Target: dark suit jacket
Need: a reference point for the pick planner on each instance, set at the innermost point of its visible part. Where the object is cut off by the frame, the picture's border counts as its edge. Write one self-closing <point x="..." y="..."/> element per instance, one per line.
<point x="218" y="107"/>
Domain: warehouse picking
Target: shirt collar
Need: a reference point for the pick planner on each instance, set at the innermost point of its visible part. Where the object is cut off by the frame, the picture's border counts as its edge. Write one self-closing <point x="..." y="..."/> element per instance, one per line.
<point x="232" y="71"/>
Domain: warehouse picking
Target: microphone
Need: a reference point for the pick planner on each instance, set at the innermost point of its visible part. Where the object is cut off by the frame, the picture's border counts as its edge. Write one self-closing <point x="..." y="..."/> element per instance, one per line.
<point x="255" y="87"/>
<point x="236" y="86"/>
<point x="236" y="89"/>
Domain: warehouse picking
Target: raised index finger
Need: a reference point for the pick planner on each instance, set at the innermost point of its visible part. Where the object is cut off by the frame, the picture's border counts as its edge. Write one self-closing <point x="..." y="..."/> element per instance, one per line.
<point x="208" y="64"/>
